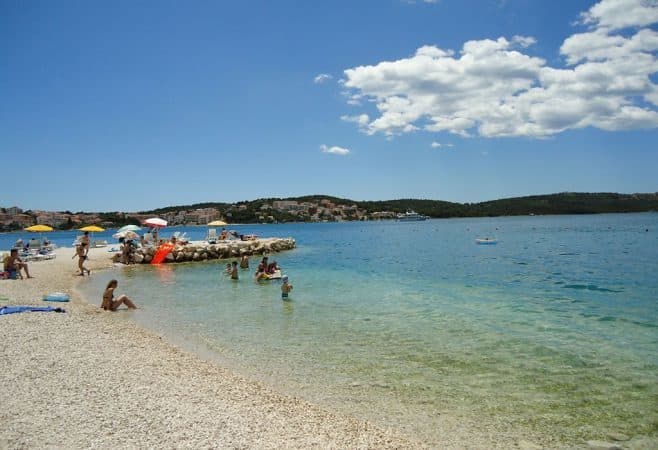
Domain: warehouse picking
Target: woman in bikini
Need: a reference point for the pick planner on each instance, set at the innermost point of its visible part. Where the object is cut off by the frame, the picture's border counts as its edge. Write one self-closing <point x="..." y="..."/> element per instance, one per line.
<point x="84" y="241"/>
<point x="109" y="304"/>
<point x="80" y="253"/>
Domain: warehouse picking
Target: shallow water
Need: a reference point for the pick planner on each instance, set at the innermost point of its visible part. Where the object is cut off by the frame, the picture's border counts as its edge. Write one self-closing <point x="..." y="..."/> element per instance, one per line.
<point x="553" y="331"/>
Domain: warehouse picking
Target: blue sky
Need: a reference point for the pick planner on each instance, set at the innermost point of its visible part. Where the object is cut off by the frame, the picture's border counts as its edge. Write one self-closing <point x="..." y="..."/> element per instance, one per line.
<point x="136" y="105"/>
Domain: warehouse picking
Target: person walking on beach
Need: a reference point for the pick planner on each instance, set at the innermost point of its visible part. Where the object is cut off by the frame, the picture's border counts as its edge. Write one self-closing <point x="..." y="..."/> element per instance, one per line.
<point x="234" y="271"/>
<point x="109" y="304"/>
<point x="80" y="253"/>
<point x="84" y="241"/>
<point x="285" y="287"/>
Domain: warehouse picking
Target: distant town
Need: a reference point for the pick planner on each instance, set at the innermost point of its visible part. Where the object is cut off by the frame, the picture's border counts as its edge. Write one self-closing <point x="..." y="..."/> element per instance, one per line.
<point x="323" y="208"/>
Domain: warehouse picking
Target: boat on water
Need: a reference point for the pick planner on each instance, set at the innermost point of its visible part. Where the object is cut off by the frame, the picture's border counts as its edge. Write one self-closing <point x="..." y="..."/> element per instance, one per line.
<point x="411" y="216"/>
<point x="486" y="241"/>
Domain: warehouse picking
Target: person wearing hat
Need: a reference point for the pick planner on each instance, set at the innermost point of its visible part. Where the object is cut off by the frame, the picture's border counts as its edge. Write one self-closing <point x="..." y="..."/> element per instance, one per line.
<point x="285" y="287"/>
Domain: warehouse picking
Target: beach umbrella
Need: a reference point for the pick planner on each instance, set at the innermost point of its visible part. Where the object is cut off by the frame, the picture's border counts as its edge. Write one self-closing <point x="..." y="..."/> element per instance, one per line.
<point x="217" y="223"/>
<point x="92" y="229"/>
<point x="128" y="234"/>
<point x="129" y="228"/>
<point x="39" y="228"/>
<point x="155" y="222"/>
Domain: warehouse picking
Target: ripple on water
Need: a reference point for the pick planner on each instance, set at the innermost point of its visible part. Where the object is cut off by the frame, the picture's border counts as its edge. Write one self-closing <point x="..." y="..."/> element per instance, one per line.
<point x="591" y="287"/>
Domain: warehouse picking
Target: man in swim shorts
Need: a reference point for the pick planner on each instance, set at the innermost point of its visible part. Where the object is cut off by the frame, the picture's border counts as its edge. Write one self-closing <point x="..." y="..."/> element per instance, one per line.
<point x="14" y="264"/>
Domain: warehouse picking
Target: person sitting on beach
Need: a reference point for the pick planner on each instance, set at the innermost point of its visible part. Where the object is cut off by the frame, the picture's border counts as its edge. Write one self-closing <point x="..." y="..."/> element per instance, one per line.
<point x="285" y="287"/>
<point x="13" y="264"/>
<point x="234" y="270"/>
<point x="244" y="262"/>
<point x="223" y="235"/>
<point x="80" y="253"/>
<point x="109" y="304"/>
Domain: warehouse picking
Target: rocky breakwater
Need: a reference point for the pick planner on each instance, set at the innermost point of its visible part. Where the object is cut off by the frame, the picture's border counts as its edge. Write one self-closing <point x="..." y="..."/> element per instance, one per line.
<point x="202" y="251"/>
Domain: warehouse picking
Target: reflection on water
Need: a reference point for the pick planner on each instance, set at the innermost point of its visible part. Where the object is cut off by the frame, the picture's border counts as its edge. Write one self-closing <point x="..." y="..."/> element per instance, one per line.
<point x="552" y="331"/>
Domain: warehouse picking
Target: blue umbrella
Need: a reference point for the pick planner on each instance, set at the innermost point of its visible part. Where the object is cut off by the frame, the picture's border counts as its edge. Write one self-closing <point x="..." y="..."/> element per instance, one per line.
<point x="129" y="228"/>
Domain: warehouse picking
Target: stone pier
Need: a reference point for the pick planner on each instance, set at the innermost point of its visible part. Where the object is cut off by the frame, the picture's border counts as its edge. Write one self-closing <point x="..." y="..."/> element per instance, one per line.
<point x="203" y="251"/>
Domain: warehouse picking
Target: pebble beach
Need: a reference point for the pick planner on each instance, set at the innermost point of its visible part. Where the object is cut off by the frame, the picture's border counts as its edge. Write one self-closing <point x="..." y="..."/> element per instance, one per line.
<point x="90" y="378"/>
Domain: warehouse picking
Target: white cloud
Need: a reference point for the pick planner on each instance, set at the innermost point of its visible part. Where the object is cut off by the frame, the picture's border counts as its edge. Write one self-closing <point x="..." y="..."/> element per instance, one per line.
<point x="334" y="150"/>
<point x="321" y="78"/>
<point x="619" y="14"/>
<point x="439" y="145"/>
<point x="362" y="119"/>
<point x="492" y="88"/>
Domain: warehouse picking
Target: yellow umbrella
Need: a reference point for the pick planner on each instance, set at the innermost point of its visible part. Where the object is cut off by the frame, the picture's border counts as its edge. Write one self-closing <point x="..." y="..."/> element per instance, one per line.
<point x="217" y="223"/>
<point x="39" y="228"/>
<point x="92" y="228"/>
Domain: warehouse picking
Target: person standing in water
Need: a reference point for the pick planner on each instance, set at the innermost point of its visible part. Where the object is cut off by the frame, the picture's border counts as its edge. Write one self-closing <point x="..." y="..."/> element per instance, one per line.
<point x="234" y="270"/>
<point x="244" y="262"/>
<point x="285" y="287"/>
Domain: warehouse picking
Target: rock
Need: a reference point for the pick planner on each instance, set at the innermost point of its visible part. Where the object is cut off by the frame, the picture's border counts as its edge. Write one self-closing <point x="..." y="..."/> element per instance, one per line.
<point x="195" y="256"/>
<point x="602" y="445"/>
<point x="619" y="437"/>
<point x="169" y="257"/>
<point x="147" y="258"/>
<point x="643" y="443"/>
<point x="138" y="258"/>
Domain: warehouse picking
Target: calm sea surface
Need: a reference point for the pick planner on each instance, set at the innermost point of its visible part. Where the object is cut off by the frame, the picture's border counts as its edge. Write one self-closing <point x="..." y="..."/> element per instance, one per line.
<point x="553" y="331"/>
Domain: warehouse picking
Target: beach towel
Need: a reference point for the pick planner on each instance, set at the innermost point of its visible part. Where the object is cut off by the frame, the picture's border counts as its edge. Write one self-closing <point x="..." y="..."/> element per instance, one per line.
<point x="19" y="309"/>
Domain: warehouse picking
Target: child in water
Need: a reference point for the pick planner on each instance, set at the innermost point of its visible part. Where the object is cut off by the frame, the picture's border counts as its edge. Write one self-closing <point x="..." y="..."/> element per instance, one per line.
<point x="285" y="287"/>
<point x="234" y="271"/>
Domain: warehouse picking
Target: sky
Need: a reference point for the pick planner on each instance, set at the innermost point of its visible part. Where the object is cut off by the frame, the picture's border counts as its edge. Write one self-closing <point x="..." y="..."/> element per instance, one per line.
<point x="134" y="105"/>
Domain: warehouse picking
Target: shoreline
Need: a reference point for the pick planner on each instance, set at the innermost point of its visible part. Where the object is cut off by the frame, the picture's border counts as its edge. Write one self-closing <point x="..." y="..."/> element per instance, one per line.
<point x="91" y="378"/>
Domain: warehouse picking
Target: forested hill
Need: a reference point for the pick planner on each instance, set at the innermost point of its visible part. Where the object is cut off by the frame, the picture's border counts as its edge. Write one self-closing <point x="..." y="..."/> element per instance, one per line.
<point x="562" y="203"/>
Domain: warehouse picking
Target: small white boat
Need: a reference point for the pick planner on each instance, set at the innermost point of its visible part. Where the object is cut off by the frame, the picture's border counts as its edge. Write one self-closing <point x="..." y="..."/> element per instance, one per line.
<point x="486" y="241"/>
<point x="411" y="216"/>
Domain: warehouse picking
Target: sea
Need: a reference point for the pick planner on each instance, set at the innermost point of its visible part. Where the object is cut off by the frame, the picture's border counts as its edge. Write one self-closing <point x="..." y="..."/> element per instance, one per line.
<point x="552" y="331"/>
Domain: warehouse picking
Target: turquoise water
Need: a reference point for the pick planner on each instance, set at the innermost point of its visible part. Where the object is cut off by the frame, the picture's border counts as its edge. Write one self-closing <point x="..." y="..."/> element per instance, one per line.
<point x="552" y="332"/>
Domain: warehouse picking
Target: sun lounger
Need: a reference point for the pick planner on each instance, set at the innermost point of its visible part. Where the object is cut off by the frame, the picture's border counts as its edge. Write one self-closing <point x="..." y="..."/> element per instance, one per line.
<point x="212" y="236"/>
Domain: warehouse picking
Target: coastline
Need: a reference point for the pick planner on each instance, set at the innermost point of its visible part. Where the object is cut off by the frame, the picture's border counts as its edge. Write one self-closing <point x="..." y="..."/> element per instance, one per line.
<point x="91" y="378"/>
